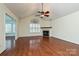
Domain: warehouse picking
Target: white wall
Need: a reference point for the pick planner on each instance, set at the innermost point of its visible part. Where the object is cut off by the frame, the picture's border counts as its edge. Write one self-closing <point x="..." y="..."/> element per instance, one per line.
<point x="24" y="29"/>
<point x="4" y="10"/>
<point x="67" y="28"/>
<point x="2" y="36"/>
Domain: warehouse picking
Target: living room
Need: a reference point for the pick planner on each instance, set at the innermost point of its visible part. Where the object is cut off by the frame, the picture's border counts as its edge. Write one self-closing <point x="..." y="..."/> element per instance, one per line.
<point x="30" y="29"/>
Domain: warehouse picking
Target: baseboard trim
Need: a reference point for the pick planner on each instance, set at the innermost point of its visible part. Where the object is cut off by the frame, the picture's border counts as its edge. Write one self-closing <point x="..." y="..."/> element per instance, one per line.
<point x="64" y="40"/>
<point x="3" y="52"/>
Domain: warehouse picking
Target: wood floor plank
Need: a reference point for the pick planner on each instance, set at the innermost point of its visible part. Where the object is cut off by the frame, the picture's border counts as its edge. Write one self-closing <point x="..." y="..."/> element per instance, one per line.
<point x="41" y="46"/>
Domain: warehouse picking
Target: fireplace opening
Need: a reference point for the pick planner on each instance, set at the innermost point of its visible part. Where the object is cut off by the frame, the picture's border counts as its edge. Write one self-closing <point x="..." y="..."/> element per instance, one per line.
<point x="46" y="33"/>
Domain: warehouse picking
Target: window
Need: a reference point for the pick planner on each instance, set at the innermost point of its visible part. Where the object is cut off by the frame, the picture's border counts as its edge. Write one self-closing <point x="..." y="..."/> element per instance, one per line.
<point x="14" y="28"/>
<point x="10" y="24"/>
<point x="34" y="27"/>
<point x="8" y="28"/>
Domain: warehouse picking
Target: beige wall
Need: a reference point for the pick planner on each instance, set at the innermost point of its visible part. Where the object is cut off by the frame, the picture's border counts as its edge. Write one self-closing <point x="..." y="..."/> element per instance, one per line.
<point x="4" y="10"/>
<point x="24" y="26"/>
<point x="67" y="27"/>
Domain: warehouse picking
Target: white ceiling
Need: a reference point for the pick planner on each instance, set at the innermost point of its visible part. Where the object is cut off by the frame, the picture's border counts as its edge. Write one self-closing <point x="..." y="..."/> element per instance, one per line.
<point x="22" y="10"/>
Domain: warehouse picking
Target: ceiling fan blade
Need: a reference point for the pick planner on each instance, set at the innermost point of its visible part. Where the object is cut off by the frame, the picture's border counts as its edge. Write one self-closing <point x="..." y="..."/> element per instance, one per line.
<point x="39" y="11"/>
<point x="46" y="15"/>
<point x="47" y="12"/>
<point x="37" y="15"/>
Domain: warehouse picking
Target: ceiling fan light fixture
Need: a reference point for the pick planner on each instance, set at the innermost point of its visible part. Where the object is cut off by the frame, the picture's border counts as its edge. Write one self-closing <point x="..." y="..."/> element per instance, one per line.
<point x="42" y="13"/>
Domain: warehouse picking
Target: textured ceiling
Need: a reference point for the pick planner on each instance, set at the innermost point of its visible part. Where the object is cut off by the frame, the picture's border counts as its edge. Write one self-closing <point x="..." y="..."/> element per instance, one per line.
<point x="57" y="10"/>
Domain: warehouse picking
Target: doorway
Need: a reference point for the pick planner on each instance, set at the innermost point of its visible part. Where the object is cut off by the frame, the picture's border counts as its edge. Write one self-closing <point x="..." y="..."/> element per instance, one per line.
<point x="10" y="31"/>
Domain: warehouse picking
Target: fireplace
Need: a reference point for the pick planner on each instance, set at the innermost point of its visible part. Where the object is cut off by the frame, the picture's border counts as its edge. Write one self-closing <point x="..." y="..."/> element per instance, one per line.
<point x="46" y="33"/>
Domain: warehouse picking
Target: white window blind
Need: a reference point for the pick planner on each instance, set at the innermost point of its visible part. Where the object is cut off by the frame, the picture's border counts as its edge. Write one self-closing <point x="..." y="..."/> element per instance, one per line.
<point x="34" y="27"/>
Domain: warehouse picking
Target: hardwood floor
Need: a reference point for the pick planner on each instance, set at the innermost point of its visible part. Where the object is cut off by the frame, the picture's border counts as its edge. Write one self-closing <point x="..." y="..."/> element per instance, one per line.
<point x="10" y="40"/>
<point x="41" y="46"/>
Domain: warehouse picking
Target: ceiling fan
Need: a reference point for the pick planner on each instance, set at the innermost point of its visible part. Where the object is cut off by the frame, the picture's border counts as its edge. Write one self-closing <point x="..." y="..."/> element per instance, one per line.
<point x="43" y="13"/>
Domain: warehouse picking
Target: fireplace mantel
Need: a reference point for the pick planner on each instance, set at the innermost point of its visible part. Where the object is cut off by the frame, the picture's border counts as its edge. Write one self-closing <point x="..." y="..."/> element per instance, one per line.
<point x="46" y="27"/>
